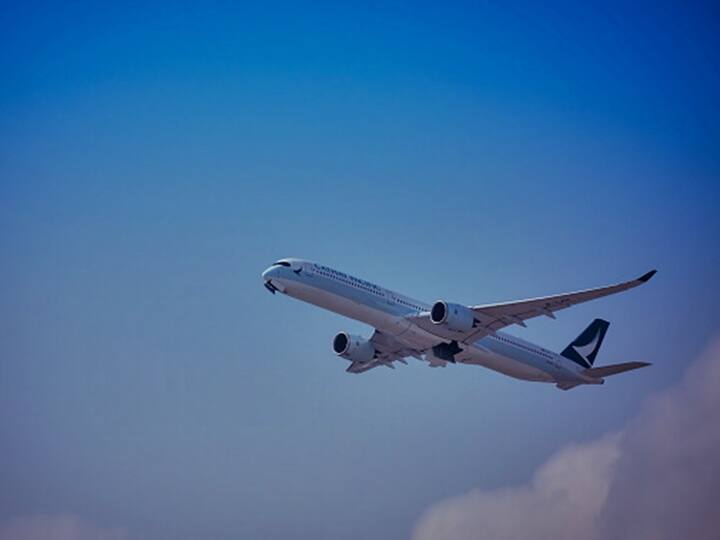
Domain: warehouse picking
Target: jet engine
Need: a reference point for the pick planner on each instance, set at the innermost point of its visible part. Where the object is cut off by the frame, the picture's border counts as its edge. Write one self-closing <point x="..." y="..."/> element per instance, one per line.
<point x="354" y="348"/>
<point x="454" y="316"/>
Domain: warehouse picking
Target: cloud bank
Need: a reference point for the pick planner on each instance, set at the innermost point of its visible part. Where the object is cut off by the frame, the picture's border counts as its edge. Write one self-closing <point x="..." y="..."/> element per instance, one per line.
<point x="659" y="478"/>
<point x="56" y="527"/>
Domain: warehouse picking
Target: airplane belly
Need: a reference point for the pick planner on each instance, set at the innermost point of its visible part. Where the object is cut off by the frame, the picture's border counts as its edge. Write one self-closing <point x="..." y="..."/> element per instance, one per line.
<point x="502" y="364"/>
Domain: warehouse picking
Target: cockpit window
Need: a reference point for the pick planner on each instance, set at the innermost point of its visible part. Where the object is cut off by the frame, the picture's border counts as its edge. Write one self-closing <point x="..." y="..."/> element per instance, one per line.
<point x="282" y="263"/>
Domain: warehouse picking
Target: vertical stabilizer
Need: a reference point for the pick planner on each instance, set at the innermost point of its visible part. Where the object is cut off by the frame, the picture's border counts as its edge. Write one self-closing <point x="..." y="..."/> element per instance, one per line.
<point x="585" y="348"/>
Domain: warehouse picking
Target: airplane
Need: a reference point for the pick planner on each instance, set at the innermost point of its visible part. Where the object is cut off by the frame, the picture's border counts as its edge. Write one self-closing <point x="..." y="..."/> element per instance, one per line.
<point x="449" y="333"/>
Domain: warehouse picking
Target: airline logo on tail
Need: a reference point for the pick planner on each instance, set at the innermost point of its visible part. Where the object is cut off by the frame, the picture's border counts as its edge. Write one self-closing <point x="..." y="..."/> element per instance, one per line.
<point x="585" y="348"/>
<point x="588" y="349"/>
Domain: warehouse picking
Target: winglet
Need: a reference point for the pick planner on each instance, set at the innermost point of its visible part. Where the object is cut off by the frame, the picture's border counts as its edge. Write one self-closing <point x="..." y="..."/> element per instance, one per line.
<point x="646" y="277"/>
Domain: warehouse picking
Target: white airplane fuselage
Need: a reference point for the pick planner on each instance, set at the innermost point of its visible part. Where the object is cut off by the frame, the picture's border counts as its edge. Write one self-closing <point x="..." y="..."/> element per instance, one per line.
<point x="391" y="313"/>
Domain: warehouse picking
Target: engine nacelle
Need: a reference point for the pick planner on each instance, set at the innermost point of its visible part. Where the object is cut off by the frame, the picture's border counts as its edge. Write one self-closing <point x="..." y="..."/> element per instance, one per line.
<point x="454" y="316"/>
<point x="354" y="348"/>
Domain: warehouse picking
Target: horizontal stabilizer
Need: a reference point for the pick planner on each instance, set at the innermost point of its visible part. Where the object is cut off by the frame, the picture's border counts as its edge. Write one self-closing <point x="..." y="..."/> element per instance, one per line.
<point x="614" y="369"/>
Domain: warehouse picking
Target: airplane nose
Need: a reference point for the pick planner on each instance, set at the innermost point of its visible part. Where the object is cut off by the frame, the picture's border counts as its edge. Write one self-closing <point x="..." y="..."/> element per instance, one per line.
<point x="267" y="274"/>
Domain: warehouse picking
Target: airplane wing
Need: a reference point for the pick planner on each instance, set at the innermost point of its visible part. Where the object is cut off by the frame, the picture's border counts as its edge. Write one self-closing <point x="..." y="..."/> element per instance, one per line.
<point x="388" y="349"/>
<point x="490" y="318"/>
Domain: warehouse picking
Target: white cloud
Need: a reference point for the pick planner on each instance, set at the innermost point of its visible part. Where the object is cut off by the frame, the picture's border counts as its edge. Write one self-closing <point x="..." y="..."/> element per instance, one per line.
<point x="56" y="527"/>
<point x="659" y="479"/>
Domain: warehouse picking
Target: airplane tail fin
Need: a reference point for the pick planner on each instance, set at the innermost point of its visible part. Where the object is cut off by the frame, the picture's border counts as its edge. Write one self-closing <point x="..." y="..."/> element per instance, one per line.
<point x="585" y="347"/>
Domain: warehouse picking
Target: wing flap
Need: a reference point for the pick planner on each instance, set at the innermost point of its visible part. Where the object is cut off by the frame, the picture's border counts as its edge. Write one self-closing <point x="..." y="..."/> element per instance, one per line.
<point x="360" y="367"/>
<point x="567" y="385"/>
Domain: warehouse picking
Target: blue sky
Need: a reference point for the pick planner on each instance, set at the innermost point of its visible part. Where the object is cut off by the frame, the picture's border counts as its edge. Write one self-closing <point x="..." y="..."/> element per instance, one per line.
<point x="154" y="159"/>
